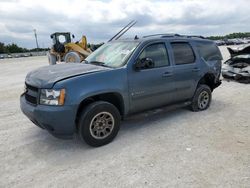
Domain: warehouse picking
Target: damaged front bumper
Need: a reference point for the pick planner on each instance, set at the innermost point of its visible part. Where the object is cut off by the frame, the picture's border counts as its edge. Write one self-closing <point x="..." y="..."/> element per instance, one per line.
<point x="238" y="74"/>
<point x="59" y="121"/>
<point x="238" y="66"/>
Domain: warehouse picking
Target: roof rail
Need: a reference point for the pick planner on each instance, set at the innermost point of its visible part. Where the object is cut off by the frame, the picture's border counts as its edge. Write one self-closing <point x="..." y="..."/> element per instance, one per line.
<point x="163" y="35"/>
<point x="175" y="35"/>
<point x="195" y="36"/>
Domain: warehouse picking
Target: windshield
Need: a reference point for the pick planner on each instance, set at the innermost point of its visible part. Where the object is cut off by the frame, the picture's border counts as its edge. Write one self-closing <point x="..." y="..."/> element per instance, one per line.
<point x="113" y="54"/>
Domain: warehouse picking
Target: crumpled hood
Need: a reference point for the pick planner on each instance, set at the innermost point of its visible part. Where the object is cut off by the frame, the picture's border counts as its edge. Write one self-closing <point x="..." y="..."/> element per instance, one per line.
<point x="46" y="77"/>
<point x="239" y="51"/>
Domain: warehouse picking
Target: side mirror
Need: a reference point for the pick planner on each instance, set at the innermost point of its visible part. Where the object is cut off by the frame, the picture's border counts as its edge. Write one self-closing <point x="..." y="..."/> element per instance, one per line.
<point x="73" y="36"/>
<point x="144" y="63"/>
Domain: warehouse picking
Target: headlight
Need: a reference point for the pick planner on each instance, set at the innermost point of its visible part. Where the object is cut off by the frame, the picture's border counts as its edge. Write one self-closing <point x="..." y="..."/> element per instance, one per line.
<point x="52" y="96"/>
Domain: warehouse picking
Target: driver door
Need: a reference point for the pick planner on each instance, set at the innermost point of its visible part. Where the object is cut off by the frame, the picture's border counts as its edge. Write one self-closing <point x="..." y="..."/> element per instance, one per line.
<point x="151" y="87"/>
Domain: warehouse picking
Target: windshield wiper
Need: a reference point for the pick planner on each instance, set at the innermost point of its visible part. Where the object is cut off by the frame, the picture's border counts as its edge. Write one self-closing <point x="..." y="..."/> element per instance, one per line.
<point x="99" y="63"/>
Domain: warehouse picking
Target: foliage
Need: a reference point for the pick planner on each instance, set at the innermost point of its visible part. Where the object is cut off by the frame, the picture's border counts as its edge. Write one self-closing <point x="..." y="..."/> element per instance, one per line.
<point x="14" y="48"/>
<point x="230" y="36"/>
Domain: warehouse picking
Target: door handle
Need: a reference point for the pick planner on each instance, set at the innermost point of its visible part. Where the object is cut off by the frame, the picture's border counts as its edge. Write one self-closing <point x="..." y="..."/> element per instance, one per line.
<point x="195" y="69"/>
<point x="167" y="74"/>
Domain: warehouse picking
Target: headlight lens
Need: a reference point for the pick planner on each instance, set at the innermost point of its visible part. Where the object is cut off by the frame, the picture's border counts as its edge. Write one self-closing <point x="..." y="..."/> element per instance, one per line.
<point x="52" y="96"/>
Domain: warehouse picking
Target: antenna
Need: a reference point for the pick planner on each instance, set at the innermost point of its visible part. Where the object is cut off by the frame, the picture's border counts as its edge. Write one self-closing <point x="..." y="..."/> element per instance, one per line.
<point x="125" y="30"/>
<point x="122" y="31"/>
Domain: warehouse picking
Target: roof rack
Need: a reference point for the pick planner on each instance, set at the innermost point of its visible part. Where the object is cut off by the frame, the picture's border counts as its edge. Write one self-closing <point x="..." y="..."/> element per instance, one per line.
<point x="175" y="35"/>
<point x="163" y="35"/>
<point x="194" y="36"/>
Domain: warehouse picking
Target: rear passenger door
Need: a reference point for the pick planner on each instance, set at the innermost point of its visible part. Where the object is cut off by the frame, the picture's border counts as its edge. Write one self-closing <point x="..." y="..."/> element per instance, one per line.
<point x="185" y="70"/>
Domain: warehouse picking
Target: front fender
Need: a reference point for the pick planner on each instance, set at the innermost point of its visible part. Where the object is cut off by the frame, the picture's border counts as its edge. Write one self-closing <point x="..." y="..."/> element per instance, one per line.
<point x="81" y="87"/>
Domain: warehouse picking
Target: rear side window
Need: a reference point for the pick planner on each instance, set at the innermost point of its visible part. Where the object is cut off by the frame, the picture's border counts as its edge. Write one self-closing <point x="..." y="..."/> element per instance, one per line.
<point x="209" y="51"/>
<point x="183" y="53"/>
<point x="156" y="52"/>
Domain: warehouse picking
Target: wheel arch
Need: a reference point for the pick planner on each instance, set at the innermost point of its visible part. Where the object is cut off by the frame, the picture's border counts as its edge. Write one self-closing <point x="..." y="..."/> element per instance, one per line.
<point x="114" y="98"/>
<point x="209" y="80"/>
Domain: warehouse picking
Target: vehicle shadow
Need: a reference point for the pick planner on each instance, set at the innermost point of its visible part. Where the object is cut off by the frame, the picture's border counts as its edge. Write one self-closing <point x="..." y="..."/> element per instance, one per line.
<point x="134" y="123"/>
<point x="149" y="119"/>
<point x="55" y="151"/>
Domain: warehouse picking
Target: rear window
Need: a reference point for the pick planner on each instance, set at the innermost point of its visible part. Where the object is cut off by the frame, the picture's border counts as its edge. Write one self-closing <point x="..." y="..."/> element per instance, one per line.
<point x="183" y="53"/>
<point x="209" y="51"/>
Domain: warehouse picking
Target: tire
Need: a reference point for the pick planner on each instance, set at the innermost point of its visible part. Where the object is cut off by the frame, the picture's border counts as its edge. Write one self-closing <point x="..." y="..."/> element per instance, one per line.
<point x="72" y="57"/>
<point x="97" y="119"/>
<point x="202" y="98"/>
<point x="51" y="58"/>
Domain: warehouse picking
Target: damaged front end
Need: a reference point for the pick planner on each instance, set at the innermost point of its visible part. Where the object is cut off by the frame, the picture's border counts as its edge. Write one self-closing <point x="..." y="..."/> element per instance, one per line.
<point x="239" y="51"/>
<point x="237" y="68"/>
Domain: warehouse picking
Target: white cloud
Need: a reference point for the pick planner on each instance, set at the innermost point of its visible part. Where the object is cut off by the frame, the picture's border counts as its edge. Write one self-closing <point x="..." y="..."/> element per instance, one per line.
<point x="100" y="19"/>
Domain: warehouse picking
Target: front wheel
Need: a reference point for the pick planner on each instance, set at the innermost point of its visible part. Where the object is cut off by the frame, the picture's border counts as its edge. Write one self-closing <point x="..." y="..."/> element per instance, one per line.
<point x="99" y="123"/>
<point x="72" y="57"/>
<point x="202" y="98"/>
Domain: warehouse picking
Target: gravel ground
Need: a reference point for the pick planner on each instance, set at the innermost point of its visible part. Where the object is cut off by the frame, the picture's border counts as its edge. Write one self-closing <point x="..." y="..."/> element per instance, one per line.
<point x="160" y="148"/>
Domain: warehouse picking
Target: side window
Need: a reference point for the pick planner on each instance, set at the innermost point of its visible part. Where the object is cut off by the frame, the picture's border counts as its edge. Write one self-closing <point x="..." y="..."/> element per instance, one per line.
<point x="156" y="52"/>
<point x="209" y="51"/>
<point x="183" y="53"/>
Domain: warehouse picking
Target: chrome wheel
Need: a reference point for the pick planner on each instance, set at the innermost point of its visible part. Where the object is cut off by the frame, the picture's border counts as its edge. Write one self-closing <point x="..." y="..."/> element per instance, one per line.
<point x="101" y="125"/>
<point x="203" y="100"/>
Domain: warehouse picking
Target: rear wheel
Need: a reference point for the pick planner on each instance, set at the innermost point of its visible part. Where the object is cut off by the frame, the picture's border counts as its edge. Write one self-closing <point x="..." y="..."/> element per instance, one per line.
<point x="99" y="123"/>
<point x="202" y="98"/>
<point x="72" y="57"/>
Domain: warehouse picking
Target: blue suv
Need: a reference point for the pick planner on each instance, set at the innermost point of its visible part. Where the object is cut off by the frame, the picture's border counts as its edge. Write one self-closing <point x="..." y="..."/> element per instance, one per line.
<point x="121" y="78"/>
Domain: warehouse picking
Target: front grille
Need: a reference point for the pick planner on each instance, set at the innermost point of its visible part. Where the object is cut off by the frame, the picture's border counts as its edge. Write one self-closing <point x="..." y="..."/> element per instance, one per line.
<point x="31" y="99"/>
<point x="32" y="88"/>
<point x="31" y="94"/>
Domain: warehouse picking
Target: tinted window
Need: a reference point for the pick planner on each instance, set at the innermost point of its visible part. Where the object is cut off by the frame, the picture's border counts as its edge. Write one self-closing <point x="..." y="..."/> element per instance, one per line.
<point x="183" y="53"/>
<point x="156" y="52"/>
<point x="209" y="51"/>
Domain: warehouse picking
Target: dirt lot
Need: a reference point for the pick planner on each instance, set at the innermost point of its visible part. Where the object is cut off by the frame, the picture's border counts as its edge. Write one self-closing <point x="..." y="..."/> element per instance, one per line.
<point x="161" y="148"/>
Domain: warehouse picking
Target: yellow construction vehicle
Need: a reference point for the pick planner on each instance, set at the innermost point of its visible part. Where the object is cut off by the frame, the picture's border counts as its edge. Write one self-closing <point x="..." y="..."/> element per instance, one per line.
<point x="63" y="50"/>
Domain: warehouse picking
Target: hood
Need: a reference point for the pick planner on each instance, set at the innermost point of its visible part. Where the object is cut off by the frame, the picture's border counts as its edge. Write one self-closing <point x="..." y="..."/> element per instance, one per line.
<point x="46" y="77"/>
<point x="239" y="51"/>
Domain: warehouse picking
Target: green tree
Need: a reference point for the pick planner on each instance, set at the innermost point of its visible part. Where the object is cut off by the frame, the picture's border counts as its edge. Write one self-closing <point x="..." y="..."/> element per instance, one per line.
<point x="231" y="36"/>
<point x="2" y="48"/>
<point x="13" y="48"/>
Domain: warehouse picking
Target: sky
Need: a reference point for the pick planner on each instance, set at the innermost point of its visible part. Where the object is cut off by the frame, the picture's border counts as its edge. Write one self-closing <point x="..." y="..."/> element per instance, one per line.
<point x="100" y="20"/>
